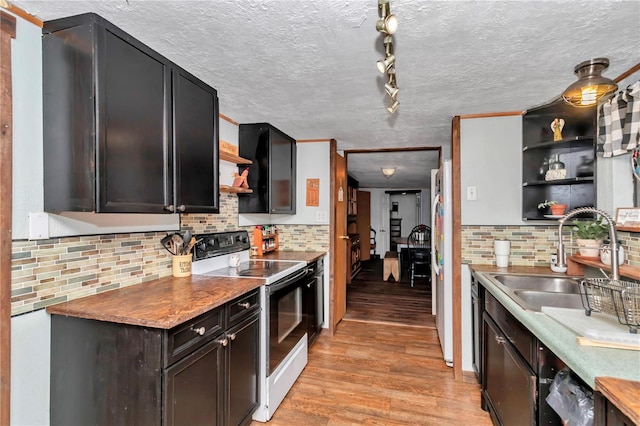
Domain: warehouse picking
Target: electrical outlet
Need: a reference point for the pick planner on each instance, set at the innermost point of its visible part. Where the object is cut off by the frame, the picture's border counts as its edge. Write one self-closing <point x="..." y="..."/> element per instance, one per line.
<point x="471" y="193"/>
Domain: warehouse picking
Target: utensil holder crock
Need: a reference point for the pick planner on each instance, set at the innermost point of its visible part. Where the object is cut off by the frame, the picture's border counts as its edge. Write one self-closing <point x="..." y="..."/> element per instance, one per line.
<point x="182" y="265"/>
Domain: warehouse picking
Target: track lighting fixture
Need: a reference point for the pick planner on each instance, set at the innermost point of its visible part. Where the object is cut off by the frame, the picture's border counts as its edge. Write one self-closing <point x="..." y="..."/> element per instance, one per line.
<point x="392" y="91"/>
<point x="391" y="88"/>
<point x="591" y="86"/>
<point x="387" y="25"/>
<point x="386" y="63"/>
<point x="393" y="107"/>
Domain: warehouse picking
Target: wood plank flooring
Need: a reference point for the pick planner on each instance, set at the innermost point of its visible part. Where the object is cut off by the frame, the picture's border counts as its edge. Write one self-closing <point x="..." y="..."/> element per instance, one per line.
<point x="379" y="374"/>
<point x="373" y="300"/>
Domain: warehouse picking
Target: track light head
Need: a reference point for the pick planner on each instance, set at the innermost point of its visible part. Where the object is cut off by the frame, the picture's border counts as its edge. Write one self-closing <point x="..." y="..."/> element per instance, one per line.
<point x="386" y="63"/>
<point x="388" y="24"/>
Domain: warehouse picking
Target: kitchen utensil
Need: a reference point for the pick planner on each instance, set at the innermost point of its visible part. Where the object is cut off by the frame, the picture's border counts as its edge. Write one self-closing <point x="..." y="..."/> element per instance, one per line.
<point x="186" y="239"/>
<point x="166" y="243"/>
<point x="178" y="242"/>
<point x="192" y="243"/>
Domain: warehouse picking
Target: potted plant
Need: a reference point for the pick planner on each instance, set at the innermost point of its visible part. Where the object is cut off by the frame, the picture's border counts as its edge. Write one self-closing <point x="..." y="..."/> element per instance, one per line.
<point x="557" y="209"/>
<point x="589" y="235"/>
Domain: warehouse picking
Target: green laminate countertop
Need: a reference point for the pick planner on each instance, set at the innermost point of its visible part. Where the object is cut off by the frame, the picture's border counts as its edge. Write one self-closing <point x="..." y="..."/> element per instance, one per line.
<point x="588" y="362"/>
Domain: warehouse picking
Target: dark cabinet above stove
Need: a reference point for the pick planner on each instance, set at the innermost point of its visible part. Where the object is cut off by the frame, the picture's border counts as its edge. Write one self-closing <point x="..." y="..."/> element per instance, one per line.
<point x="127" y="130"/>
<point x="272" y="176"/>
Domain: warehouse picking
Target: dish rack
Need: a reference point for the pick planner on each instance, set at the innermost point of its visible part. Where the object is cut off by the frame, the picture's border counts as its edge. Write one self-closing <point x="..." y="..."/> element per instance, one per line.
<point x="619" y="299"/>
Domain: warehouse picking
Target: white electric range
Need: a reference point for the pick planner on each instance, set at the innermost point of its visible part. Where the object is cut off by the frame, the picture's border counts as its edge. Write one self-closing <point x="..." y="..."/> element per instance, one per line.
<point x="283" y="322"/>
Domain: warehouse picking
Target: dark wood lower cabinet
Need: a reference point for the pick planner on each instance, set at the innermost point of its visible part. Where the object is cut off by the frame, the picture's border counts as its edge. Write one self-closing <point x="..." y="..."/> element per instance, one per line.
<point x="202" y="372"/>
<point x="194" y="388"/>
<point x="243" y="371"/>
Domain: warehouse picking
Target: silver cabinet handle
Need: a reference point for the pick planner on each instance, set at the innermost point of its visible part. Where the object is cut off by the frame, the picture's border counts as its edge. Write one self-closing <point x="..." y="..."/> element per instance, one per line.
<point x="223" y="341"/>
<point x="182" y="207"/>
<point x="309" y="285"/>
<point x="170" y="208"/>
<point x="199" y="330"/>
<point x="500" y="340"/>
<point x="232" y="336"/>
<point x="245" y="305"/>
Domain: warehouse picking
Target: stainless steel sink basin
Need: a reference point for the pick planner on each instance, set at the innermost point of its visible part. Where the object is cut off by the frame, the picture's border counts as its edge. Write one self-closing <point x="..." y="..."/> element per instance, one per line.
<point x="539" y="283"/>
<point x="535" y="300"/>
<point x="532" y="292"/>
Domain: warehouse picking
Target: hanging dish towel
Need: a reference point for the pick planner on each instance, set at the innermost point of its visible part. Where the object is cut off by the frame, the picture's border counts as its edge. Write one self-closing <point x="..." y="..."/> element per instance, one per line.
<point x="619" y="122"/>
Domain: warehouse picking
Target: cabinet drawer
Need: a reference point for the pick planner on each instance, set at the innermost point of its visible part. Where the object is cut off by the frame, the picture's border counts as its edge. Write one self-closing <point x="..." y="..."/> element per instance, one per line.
<point x="243" y="306"/>
<point x="189" y="336"/>
<point x="514" y="331"/>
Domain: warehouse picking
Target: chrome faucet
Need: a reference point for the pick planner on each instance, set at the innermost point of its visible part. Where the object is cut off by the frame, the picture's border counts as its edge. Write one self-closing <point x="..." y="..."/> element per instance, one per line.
<point x="615" y="267"/>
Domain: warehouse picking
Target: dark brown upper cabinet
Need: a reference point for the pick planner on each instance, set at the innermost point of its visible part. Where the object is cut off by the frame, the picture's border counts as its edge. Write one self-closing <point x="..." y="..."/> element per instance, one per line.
<point x="272" y="175"/>
<point x="127" y="130"/>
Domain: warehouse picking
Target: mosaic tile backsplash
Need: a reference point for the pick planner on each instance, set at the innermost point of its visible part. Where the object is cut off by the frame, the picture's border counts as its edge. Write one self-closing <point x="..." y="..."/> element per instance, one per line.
<point x="46" y="272"/>
<point x="530" y="245"/>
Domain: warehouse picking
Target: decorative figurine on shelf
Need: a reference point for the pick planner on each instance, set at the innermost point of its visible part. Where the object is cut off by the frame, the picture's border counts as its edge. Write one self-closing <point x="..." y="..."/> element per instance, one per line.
<point x="556" y="125"/>
<point x="240" y="181"/>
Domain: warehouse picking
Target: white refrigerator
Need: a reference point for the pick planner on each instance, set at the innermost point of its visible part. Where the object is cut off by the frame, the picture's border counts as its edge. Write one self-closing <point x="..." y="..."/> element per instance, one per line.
<point x="441" y="278"/>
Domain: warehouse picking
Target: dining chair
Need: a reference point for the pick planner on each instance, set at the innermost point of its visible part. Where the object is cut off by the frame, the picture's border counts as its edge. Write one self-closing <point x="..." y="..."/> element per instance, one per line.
<point x="419" y="246"/>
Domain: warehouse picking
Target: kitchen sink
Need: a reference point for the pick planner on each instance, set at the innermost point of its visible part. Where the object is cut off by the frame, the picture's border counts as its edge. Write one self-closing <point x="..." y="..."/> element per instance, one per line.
<point x="535" y="300"/>
<point x="539" y="283"/>
<point x="532" y="292"/>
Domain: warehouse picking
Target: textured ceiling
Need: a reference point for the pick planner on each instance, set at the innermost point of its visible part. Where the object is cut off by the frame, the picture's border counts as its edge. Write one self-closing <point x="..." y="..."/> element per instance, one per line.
<point x="309" y="67"/>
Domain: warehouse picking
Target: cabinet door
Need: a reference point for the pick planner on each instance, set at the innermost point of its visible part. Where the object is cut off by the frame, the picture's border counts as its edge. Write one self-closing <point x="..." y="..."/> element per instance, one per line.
<point x="283" y="173"/>
<point x="509" y="385"/>
<point x="243" y="370"/>
<point x="195" y="135"/>
<point x="133" y="130"/>
<point x="194" y="389"/>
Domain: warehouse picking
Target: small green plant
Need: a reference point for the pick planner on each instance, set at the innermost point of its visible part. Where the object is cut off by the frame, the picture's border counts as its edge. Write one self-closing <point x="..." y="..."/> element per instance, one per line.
<point x="547" y="204"/>
<point x="590" y="229"/>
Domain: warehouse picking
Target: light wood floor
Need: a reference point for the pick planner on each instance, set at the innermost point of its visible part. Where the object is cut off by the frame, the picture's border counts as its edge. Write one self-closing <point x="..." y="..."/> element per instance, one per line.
<point x="379" y="374"/>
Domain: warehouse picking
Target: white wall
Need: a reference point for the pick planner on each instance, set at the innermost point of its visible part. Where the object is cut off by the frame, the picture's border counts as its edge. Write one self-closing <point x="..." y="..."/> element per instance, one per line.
<point x="312" y="163"/>
<point x="30" y="369"/>
<point x="491" y="161"/>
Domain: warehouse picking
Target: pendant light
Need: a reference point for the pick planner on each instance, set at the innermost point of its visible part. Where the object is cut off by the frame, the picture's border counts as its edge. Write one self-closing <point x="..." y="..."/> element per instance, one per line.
<point x="591" y="86"/>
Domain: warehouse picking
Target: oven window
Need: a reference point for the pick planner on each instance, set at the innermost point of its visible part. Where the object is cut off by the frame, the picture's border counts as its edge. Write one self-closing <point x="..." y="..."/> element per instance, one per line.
<point x="289" y="313"/>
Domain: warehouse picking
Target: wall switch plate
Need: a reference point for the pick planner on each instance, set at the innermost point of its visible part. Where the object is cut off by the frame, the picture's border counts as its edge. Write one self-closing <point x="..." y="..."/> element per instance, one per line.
<point x="38" y="226"/>
<point x="471" y="193"/>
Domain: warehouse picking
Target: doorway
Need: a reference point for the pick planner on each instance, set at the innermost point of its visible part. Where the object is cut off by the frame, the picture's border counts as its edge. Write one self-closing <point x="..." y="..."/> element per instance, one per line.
<point x="369" y="297"/>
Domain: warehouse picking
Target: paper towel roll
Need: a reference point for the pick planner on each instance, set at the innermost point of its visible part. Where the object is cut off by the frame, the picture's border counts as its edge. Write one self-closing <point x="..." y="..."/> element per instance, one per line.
<point x="501" y="247"/>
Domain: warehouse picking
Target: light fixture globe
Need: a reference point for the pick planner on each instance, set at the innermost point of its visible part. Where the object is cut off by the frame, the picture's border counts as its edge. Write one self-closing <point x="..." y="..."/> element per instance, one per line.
<point x="388" y="171"/>
<point x="591" y="86"/>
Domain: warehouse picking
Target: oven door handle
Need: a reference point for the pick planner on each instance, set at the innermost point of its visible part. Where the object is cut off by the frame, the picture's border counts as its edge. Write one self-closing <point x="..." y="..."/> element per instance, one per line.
<point x="286" y="281"/>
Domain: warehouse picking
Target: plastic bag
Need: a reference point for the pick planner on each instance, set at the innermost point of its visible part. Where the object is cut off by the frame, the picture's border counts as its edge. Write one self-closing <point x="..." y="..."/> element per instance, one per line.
<point x="572" y="402"/>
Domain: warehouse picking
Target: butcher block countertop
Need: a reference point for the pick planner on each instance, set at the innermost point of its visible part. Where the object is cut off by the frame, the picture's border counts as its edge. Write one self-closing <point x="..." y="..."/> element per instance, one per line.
<point x="163" y="303"/>
<point x="623" y="394"/>
<point x="303" y="256"/>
